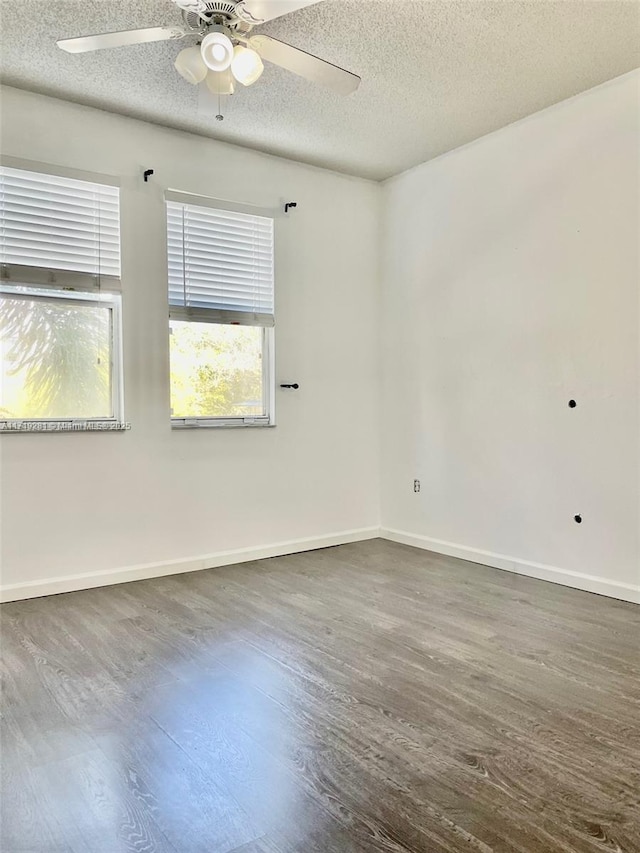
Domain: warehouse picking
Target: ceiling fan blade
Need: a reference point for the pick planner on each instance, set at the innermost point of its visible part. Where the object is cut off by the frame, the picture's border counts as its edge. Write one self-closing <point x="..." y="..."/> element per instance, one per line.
<point x="259" y="11"/>
<point x="305" y="64"/>
<point x="84" y="44"/>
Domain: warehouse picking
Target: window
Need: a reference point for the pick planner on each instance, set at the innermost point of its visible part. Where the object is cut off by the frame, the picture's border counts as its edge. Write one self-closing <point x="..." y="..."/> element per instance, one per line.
<point x="60" y="365"/>
<point x="221" y="314"/>
<point x="56" y="356"/>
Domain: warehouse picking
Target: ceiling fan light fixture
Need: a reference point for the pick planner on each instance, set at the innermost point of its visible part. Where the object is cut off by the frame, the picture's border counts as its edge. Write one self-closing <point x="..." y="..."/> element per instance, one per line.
<point x="190" y="65"/>
<point x="221" y="82"/>
<point x="217" y="51"/>
<point x="247" y="65"/>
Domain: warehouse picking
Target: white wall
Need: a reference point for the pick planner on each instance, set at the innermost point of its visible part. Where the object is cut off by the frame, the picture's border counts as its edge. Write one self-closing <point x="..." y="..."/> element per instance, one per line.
<point x="510" y="285"/>
<point x="92" y="503"/>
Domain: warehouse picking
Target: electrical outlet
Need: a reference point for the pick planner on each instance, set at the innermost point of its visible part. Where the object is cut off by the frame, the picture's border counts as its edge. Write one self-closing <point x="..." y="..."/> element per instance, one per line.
<point x="416" y="486"/>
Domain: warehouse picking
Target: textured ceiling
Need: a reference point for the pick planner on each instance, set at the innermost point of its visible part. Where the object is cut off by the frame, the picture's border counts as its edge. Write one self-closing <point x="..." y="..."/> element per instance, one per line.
<point x="436" y="73"/>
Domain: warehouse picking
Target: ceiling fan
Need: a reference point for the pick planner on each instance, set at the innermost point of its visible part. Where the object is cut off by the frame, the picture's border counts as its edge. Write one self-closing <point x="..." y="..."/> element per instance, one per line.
<point x="226" y="52"/>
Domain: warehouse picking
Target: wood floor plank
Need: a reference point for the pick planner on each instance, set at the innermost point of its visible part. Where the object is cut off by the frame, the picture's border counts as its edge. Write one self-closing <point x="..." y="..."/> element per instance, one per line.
<point x="188" y="804"/>
<point x="203" y="721"/>
<point x="368" y="697"/>
<point x="260" y="845"/>
<point x="106" y="809"/>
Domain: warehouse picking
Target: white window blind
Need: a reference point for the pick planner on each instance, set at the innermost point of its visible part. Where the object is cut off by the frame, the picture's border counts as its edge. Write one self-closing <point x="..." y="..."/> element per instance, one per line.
<point x="58" y="231"/>
<point x="220" y="265"/>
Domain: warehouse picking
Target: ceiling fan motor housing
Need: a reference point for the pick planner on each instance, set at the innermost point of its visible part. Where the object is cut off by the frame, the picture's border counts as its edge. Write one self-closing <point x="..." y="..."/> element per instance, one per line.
<point x="222" y="7"/>
<point x="208" y="10"/>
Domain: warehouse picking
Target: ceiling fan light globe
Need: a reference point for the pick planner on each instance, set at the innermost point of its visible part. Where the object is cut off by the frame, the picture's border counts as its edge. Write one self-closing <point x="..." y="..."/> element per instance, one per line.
<point x="217" y="51"/>
<point x="190" y="65"/>
<point x="247" y="66"/>
<point x="221" y="82"/>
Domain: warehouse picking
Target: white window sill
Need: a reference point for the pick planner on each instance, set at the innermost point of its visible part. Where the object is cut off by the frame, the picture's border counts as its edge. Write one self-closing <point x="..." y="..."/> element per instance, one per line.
<point x="39" y="426"/>
<point x="210" y="423"/>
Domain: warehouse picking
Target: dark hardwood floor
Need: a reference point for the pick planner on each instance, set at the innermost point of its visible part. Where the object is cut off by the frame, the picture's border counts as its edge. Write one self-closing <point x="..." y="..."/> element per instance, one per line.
<point x="370" y="697"/>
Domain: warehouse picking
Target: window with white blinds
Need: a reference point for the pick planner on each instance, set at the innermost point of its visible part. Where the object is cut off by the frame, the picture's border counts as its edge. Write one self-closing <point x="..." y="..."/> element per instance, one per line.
<point x="221" y="267"/>
<point x="59" y="231"/>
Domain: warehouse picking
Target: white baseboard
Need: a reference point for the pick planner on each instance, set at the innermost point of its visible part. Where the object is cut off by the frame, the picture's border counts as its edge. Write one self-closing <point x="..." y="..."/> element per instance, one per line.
<point x="577" y="580"/>
<point x="72" y="583"/>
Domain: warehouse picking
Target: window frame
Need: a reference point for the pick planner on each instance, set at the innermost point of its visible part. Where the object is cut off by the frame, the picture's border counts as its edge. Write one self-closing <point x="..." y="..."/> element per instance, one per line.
<point x="113" y="302"/>
<point x="200" y="315"/>
<point x="268" y="390"/>
<point x="49" y="282"/>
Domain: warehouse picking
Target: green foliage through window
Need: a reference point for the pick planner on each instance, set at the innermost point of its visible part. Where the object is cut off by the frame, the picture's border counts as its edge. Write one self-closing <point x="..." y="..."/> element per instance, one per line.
<point x="216" y="370"/>
<point x="55" y="358"/>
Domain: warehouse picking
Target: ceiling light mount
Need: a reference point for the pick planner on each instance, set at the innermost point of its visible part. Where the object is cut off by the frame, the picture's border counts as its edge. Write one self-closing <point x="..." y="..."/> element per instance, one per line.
<point x="246" y="66"/>
<point x="217" y="48"/>
<point x="190" y="65"/>
<point x="221" y="82"/>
